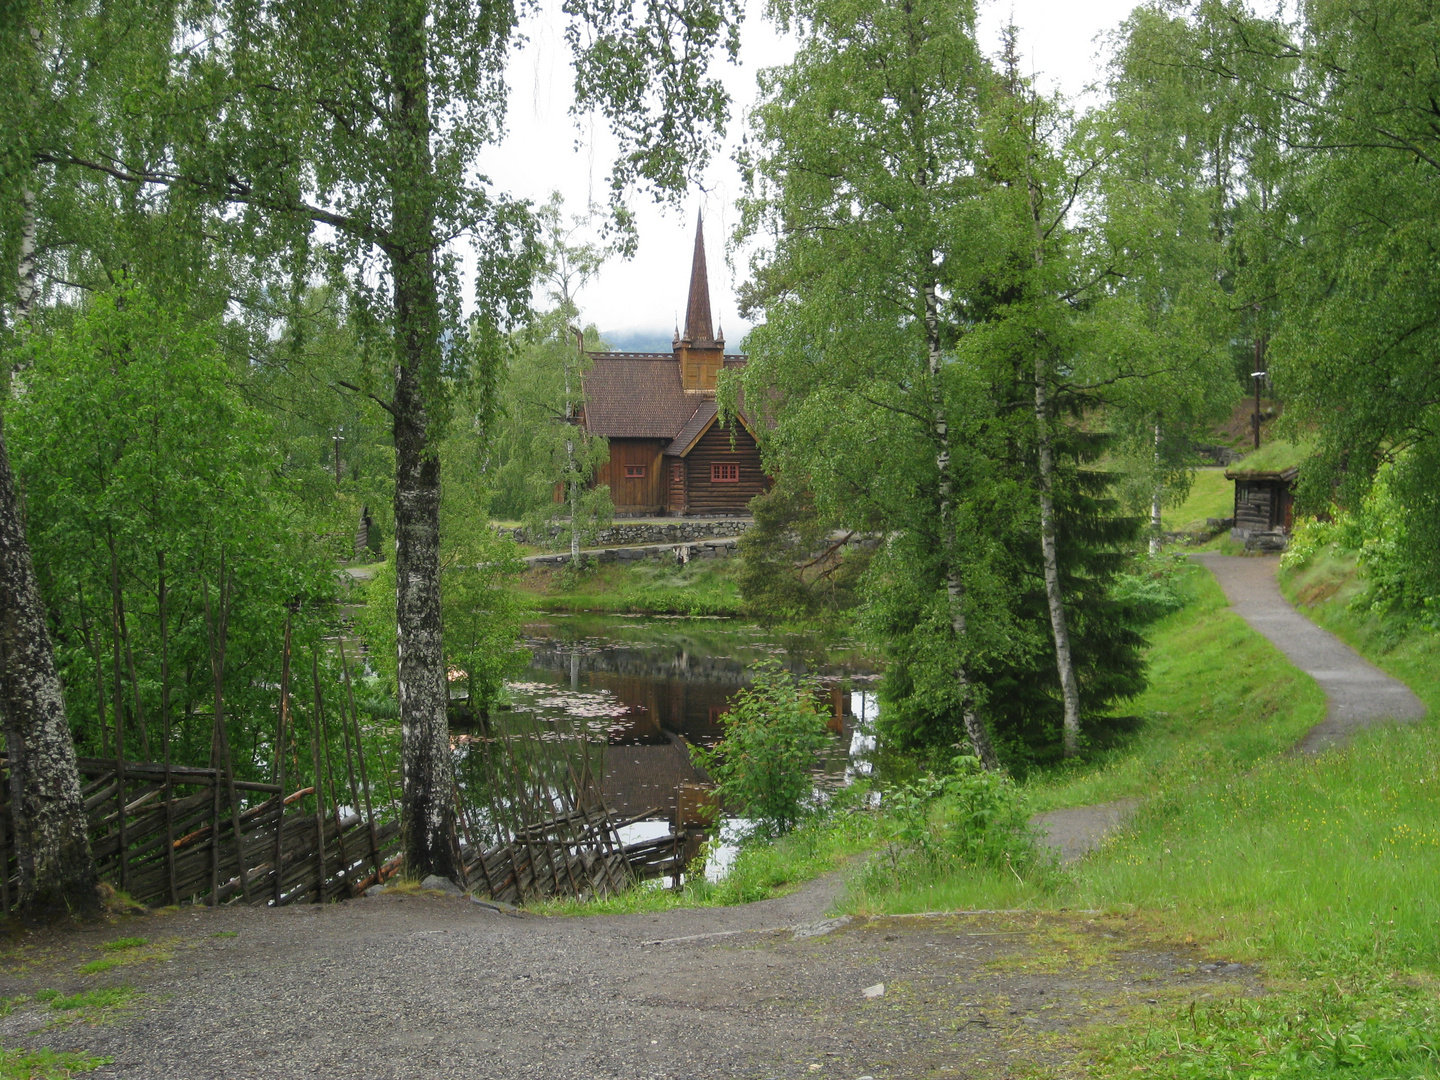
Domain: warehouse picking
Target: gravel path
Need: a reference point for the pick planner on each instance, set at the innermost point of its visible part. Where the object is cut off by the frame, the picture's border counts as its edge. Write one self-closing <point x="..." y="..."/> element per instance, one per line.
<point x="1076" y="831"/>
<point x="1360" y="694"/>
<point x="437" y="987"/>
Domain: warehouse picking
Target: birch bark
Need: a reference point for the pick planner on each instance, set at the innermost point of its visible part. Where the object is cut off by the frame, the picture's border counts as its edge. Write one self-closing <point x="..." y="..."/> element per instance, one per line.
<point x="428" y="812"/>
<point x="1054" y="595"/>
<point x="52" y="841"/>
<point x="1156" y="497"/>
<point x="954" y="584"/>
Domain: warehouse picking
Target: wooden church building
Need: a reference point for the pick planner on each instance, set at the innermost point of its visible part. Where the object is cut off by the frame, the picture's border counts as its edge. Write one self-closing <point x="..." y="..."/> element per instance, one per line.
<point x="669" y="452"/>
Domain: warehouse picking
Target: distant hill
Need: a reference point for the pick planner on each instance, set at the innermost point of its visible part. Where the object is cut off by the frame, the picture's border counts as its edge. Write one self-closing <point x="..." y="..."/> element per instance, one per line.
<point x="639" y="340"/>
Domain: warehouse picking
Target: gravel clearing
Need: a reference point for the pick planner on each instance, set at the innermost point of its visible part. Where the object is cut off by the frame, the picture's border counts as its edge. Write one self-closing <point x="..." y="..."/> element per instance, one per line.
<point x="436" y="986"/>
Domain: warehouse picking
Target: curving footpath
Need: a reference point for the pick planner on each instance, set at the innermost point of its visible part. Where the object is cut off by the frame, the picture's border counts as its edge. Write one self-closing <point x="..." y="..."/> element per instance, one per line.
<point x="1359" y="693"/>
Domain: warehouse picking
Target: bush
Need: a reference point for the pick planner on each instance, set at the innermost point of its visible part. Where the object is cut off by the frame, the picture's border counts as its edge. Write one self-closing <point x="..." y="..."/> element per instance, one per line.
<point x="967" y="816"/>
<point x="773" y="733"/>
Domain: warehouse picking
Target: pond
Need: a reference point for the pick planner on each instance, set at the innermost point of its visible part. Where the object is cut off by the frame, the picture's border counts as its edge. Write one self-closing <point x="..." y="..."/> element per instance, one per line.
<point x="643" y="688"/>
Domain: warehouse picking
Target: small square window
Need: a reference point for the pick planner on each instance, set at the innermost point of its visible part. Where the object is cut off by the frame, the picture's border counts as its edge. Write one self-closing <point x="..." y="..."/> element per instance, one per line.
<point x="724" y="473"/>
<point x="634" y="472"/>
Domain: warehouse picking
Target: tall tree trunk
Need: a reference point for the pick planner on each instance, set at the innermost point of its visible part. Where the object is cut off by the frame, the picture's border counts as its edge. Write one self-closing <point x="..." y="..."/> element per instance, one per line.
<point x="428" y="772"/>
<point x="52" y="841"/>
<point x="572" y="483"/>
<point x="954" y="584"/>
<point x="1054" y="595"/>
<point x="27" y="268"/>
<point x="1156" y="497"/>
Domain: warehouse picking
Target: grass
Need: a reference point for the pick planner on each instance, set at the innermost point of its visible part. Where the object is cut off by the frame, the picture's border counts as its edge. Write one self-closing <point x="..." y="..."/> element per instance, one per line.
<point x="88" y="1004"/>
<point x="127" y="950"/>
<point x="1220" y="698"/>
<point x="124" y="943"/>
<point x="1211" y="496"/>
<point x="1325" y="871"/>
<point x="1276" y="456"/>
<point x="46" y="1064"/>
<point x="700" y="587"/>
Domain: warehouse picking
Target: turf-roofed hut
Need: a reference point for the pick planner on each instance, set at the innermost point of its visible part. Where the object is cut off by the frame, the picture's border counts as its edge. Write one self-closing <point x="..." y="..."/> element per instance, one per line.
<point x="669" y="451"/>
<point x="1265" y="490"/>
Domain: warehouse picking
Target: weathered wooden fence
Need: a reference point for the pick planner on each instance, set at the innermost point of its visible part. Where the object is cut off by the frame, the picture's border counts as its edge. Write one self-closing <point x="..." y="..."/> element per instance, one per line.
<point x="535" y="824"/>
<point x="168" y="834"/>
<point x="533" y="821"/>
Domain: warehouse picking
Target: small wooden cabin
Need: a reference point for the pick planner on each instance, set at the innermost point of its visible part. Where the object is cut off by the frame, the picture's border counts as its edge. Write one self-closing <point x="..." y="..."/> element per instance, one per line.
<point x="1264" y="500"/>
<point x="669" y="453"/>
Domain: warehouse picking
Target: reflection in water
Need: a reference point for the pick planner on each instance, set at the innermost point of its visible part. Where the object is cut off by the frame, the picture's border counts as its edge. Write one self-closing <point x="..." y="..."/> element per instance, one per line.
<point x="645" y="688"/>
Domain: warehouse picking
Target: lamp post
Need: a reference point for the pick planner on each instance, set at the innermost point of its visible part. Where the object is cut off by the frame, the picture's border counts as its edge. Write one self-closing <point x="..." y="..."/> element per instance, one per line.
<point x="1259" y="377"/>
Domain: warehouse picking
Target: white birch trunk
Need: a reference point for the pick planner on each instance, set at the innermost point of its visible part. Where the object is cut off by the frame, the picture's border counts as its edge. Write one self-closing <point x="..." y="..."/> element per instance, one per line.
<point x="1156" y="495"/>
<point x="27" y="269"/>
<point x="954" y="584"/>
<point x="52" y="840"/>
<point x="1054" y="595"/>
<point x="428" y="774"/>
<point x="572" y="486"/>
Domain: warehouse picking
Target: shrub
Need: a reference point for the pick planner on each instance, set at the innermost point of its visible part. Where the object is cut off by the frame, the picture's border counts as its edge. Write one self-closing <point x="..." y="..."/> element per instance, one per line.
<point x="773" y="733"/>
<point x="966" y="815"/>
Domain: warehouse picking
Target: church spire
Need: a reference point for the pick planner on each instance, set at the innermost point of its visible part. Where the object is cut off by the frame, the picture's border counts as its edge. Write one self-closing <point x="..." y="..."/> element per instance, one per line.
<point x="698" y="329"/>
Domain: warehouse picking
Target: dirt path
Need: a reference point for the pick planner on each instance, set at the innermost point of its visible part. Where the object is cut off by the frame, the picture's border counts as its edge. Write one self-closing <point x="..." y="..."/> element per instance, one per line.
<point x="1360" y="694"/>
<point x="1077" y="830"/>
<point x="394" y="987"/>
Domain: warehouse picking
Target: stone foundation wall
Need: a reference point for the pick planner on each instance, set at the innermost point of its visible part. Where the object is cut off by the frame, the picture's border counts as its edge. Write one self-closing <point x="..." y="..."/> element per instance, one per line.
<point x="627" y="533"/>
<point x="680" y="553"/>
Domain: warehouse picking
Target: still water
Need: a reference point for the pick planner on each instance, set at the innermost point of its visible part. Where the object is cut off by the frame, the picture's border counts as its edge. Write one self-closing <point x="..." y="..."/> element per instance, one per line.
<point x="645" y="687"/>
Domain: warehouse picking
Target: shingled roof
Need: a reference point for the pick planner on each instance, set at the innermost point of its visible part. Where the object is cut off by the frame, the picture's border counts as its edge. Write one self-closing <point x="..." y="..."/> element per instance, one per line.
<point x="637" y="396"/>
<point x="641" y="395"/>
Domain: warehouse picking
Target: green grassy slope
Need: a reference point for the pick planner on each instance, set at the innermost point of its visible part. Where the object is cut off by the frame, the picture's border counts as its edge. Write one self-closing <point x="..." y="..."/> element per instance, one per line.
<point x="1325" y="871"/>
<point x="1211" y="495"/>
<point x="702" y="587"/>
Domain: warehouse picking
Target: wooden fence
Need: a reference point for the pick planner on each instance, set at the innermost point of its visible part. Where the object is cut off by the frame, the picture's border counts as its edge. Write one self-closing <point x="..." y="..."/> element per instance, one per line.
<point x="169" y="834"/>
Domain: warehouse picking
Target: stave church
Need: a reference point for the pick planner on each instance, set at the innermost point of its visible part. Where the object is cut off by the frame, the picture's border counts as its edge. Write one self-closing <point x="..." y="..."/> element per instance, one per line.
<point x="670" y="454"/>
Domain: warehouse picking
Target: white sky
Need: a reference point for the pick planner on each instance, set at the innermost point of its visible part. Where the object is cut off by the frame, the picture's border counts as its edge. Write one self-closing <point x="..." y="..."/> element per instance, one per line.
<point x="1060" y="38"/>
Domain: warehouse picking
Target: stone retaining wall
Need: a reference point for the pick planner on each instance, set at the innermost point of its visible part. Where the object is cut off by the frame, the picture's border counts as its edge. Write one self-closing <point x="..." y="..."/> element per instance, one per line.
<point x="679" y="553"/>
<point x="630" y="533"/>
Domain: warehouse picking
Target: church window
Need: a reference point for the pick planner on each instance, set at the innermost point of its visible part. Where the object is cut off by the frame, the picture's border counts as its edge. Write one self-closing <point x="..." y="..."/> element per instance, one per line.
<point x="634" y="472"/>
<point x="724" y="473"/>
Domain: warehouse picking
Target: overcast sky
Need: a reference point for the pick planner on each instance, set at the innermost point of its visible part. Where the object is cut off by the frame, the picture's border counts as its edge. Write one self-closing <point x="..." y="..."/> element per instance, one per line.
<point x="643" y="297"/>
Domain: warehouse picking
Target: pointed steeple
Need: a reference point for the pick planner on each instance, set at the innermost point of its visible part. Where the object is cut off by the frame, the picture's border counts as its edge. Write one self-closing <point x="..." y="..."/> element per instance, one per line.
<point x="698" y="330"/>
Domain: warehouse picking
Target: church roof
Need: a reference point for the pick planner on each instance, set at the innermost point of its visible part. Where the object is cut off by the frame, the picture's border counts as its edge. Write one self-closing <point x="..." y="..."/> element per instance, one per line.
<point x="693" y="429"/>
<point x="698" y="327"/>
<point x="637" y="396"/>
<point x="641" y="395"/>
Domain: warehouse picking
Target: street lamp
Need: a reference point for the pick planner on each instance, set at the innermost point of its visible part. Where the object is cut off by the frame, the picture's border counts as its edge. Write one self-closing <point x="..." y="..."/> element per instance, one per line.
<point x="1259" y="377"/>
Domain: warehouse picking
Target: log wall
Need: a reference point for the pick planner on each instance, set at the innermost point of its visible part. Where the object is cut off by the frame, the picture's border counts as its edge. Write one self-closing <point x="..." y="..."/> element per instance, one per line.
<point x="705" y="496"/>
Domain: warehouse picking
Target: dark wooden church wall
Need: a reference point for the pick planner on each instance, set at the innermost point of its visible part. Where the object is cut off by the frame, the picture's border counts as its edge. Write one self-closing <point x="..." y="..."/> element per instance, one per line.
<point x="708" y="497"/>
<point x="645" y="493"/>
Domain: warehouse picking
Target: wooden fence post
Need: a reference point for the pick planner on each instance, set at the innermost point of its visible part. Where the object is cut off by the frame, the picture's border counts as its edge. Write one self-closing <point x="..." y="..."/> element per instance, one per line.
<point x="319" y="782"/>
<point x="280" y="764"/>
